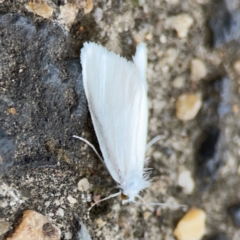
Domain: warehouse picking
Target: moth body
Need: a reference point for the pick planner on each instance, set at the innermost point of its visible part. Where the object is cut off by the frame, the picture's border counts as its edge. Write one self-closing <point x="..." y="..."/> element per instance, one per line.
<point x="116" y="91"/>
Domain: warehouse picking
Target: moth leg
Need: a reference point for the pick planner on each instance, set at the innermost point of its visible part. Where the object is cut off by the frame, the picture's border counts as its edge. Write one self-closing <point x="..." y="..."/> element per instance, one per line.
<point x="104" y="199"/>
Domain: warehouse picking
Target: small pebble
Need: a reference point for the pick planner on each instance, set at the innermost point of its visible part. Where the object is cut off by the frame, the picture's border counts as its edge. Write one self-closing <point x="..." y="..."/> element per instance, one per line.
<point x="83" y="232"/>
<point x="12" y="203"/>
<point x="57" y="202"/>
<point x="4" y="227"/>
<point x="172" y="2"/>
<point x="100" y="222"/>
<point x="67" y="235"/>
<point x="12" y="110"/>
<point x="235" y="214"/>
<point x="83" y="184"/>
<point x="169" y="57"/>
<point x="235" y="109"/>
<point x="89" y="6"/>
<point x="236" y="67"/>
<point x="40" y="8"/>
<point x="47" y="203"/>
<point x="35" y="226"/>
<point x="71" y="199"/>
<point x="198" y="69"/>
<point x="188" y="106"/>
<point x="3" y="203"/>
<point x="238" y="170"/>
<point x="60" y="212"/>
<point x="202" y="1"/>
<point x="68" y="13"/>
<point x="98" y="14"/>
<point x="179" y="81"/>
<point x="141" y="2"/>
<point x="149" y="36"/>
<point x="163" y="39"/>
<point x="185" y="181"/>
<point x="181" y="23"/>
<point x="192" y="225"/>
<point x="146" y="215"/>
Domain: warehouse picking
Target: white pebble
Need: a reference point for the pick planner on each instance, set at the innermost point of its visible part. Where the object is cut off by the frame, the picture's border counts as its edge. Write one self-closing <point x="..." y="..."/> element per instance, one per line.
<point x="71" y="199"/>
<point x="47" y="203"/>
<point x="181" y="23"/>
<point x="12" y="203"/>
<point x="172" y="2"/>
<point x="98" y="14"/>
<point x="60" y="212"/>
<point x="202" y="1"/>
<point x="67" y="235"/>
<point x="89" y="197"/>
<point x="68" y="13"/>
<point x="57" y="202"/>
<point x="141" y="2"/>
<point x="100" y="222"/>
<point x="179" y="81"/>
<point x="236" y="66"/>
<point x="83" y="185"/>
<point x="198" y="69"/>
<point x="163" y="39"/>
<point x="169" y="57"/>
<point x="4" y="227"/>
<point x="188" y="106"/>
<point x="185" y="181"/>
<point x="3" y="204"/>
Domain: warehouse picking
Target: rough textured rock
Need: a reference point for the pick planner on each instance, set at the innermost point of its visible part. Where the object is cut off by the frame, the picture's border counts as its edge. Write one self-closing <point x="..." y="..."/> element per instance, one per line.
<point x="44" y="86"/>
<point x="181" y="23"/>
<point x="35" y="226"/>
<point x="225" y="22"/>
<point x="40" y="8"/>
<point x="188" y="106"/>
<point x="234" y="211"/>
<point x="208" y="158"/>
<point x="37" y="123"/>
<point x="198" y="69"/>
<point x="192" y="225"/>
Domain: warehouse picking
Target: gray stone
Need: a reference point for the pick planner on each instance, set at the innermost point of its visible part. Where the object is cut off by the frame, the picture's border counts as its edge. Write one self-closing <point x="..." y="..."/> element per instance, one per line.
<point x="42" y="81"/>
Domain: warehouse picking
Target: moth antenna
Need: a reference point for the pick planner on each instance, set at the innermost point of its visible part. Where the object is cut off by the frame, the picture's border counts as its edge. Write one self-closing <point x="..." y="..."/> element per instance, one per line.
<point x="89" y="144"/>
<point x="154" y="140"/>
<point x="157" y="204"/>
<point x="104" y="199"/>
<point x="144" y="203"/>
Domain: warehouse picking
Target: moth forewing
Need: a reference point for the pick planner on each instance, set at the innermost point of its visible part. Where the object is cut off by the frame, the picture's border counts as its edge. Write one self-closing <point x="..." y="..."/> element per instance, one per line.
<point x="116" y="91"/>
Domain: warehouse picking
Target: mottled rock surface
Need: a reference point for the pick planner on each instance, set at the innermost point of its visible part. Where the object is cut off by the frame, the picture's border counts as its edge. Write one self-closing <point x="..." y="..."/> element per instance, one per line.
<point x="42" y="104"/>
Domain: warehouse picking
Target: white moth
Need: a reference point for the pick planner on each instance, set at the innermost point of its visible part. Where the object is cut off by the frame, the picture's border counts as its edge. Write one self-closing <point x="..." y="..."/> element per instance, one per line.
<point x="116" y="91"/>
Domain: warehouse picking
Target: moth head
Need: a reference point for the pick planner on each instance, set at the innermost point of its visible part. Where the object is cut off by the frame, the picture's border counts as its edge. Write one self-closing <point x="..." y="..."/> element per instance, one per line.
<point x="124" y="198"/>
<point x="127" y="199"/>
<point x="132" y="187"/>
